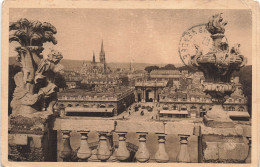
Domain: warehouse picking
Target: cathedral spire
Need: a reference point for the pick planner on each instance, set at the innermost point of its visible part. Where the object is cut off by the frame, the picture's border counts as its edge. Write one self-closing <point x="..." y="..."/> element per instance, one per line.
<point x="102" y="54"/>
<point x="102" y="48"/>
<point x="94" y="59"/>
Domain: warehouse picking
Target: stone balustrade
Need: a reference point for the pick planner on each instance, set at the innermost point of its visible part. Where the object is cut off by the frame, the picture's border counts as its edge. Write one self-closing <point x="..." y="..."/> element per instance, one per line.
<point x="122" y="153"/>
<point x="113" y="140"/>
<point x="136" y="133"/>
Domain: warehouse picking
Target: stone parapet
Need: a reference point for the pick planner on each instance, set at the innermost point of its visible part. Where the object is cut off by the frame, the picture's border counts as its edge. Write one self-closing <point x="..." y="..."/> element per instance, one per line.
<point x="224" y="145"/>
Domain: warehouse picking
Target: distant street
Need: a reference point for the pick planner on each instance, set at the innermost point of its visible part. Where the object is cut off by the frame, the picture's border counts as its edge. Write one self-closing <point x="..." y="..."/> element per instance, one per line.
<point x="131" y="114"/>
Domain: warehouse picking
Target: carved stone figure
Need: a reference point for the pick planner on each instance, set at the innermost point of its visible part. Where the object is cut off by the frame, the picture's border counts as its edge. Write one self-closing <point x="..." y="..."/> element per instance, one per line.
<point x="35" y="83"/>
<point x="235" y="49"/>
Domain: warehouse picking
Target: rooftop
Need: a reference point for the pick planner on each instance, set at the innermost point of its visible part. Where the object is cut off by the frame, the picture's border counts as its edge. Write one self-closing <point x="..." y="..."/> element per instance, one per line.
<point x="152" y="83"/>
<point x="165" y="72"/>
<point x="105" y="92"/>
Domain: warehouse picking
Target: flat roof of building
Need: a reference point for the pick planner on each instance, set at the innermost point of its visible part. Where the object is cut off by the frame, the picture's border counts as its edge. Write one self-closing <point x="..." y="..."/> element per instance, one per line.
<point x="109" y="92"/>
<point x="166" y="72"/>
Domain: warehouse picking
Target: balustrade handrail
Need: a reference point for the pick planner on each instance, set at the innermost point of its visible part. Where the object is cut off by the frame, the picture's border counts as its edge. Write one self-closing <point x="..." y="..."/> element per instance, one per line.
<point x="120" y="149"/>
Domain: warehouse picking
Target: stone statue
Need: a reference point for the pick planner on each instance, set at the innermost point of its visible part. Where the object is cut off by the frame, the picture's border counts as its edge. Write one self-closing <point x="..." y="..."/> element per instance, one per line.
<point x="35" y="88"/>
<point x="216" y="24"/>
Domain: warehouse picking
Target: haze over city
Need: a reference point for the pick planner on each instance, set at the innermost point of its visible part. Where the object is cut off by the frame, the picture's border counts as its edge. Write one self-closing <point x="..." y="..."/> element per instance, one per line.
<point x="150" y="36"/>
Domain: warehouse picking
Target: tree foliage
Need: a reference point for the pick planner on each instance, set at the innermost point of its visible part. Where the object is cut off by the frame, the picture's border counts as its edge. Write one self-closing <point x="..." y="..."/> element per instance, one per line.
<point x="60" y="80"/>
<point x="245" y="77"/>
<point x="151" y="68"/>
<point x="168" y="67"/>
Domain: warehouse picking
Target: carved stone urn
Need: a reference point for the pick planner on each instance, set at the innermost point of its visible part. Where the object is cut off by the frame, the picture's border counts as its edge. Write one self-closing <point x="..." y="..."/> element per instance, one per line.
<point x="218" y="65"/>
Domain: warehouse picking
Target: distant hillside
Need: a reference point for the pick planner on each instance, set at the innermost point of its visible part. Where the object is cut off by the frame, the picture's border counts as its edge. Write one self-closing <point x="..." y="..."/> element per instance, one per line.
<point x="74" y="64"/>
<point x="136" y="66"/>
<point x="65" y="62"/>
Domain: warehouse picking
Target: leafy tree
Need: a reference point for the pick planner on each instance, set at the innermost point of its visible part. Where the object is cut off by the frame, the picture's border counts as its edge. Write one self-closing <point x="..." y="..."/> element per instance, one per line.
<point x="60" y="81"/>
<point x="188" y="68"/>
<point x="86" y="86"/>
<point x="151" y="68"/>
<point x="169" y="67"/>
<point x="124" y="80"/>
<point x="245" y="77"/>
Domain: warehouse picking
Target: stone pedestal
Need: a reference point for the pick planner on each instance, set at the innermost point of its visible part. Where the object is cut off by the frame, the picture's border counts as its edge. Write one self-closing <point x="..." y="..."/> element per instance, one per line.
<point x="218" y="118"/>
<point x="217" y="123"/>
<point x="223" y="145"/>
<point x="32" y="138"/>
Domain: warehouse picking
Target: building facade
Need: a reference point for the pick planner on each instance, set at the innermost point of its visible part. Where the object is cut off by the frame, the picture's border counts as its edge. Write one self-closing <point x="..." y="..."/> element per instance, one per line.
<point x="72" y="79"/>
<point x="165" y="74"/>
<point x="109" y="101"/>
<point x="149" y="91"/>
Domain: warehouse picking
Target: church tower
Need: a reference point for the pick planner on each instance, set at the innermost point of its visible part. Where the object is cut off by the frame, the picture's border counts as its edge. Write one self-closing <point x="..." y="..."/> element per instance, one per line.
<point x="94" y="59"/>
<point x="102" y="54"/>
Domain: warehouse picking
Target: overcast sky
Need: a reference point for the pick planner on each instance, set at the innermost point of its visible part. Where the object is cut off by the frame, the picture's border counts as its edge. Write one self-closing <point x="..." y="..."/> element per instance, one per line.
<point x="150" y="36"/>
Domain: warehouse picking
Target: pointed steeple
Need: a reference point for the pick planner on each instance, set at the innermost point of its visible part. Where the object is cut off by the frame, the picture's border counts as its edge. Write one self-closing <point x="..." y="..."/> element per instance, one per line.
<point x="102" y="48"/>
<point x="102" y="54"/>
<point x="94" y="59"/>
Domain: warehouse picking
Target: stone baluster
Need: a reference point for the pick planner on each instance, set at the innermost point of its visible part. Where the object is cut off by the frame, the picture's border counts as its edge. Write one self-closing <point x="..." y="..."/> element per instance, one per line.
<point x="103" y="152"/>
<point x="67" y="151"/>
<point x="122" y="152"/>
<point x="183" y="155"/>
<point x="142" y="154"/>
<point x="84" y="151"/>
<point x="161" y="155"/>
<point x="248" y="159"/>
<point x="110" y="146"/>
<point x="109" y="137"/>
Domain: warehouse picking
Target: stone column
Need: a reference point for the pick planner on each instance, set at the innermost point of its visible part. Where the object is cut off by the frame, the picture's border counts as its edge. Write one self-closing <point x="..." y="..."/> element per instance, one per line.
<point x="142" y="155"/>
<point x="183" y="155"/>
<point x="103" y="152"/>
<point x="66" y="152"/>
<point x="84" y="151"/>
<point x="143" y="95"/>
<point x="122" y="152"/>
<point x="110" y="146"/>
<point x="136" y="95"/>
<point x="155" y="95"/>
<point x="161" y="154"/>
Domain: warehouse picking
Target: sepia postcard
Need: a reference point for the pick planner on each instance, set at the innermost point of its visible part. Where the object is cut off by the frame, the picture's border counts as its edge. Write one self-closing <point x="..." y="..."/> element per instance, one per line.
<point x="130" y="83"/>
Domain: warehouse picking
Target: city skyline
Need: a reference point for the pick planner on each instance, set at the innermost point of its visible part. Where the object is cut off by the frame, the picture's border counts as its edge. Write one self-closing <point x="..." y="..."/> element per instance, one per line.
<point x="145" y="36"/>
